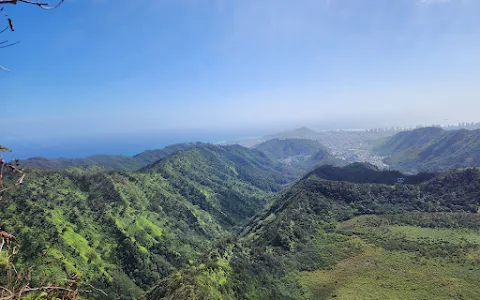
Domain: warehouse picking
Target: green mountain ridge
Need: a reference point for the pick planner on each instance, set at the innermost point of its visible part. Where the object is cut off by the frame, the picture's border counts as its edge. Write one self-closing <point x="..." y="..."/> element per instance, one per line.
<point x="231" y="169"/>
<point x="284" y="148"/>
<point x="301" y="153"/>
<point x="123" y="231"/>
<point x="228" y="222"/>
<point x="293" y="248"/>
<point x="106" y="162"/>
<point x="431" y="150"/>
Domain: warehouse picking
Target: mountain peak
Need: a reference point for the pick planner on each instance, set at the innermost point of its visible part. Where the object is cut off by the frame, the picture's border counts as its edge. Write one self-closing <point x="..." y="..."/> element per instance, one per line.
<point x="304" y="129"/>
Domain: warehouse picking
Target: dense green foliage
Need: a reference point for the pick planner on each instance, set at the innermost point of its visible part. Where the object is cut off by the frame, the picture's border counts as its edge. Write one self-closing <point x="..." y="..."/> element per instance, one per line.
<point x="122" y="232"/>
<point x="278" y="253"/>
<point x="223" y="222"/>
<point x="431" y="150"/>
<point x="230" y="182"/>
<point x="106" y="162"/>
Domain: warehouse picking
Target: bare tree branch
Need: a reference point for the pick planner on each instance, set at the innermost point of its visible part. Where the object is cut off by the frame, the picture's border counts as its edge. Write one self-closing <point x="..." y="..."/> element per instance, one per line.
<point x="42" y="5"/>
<point x="14" y="168"/>
<point x="10" y="22"/>
<point x="9" y="45"/>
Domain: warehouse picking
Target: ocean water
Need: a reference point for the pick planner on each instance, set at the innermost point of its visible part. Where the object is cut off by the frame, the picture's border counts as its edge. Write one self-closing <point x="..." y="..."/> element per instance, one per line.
<point x="123" y="144"/>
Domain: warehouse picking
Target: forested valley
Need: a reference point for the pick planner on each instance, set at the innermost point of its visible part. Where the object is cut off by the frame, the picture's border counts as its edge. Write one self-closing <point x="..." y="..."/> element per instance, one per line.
<point x="239" y="150"/>
<point x="228" y="222"/>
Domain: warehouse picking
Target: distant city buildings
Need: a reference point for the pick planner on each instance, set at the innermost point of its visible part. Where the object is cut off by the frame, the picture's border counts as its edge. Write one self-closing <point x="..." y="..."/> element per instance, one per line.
<point x="461" y="125"/>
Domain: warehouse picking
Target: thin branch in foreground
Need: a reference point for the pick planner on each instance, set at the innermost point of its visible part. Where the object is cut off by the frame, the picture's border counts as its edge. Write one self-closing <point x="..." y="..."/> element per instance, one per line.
<point x="43" y="5"/>
<point x="10" y="22"/>
<point x="13" y="167"/>
<point x="9" y="45"/>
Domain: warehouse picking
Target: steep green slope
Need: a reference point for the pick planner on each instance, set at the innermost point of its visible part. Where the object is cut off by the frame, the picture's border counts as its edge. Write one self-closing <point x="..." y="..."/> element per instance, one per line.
<point x="432" y="150"/>
<point x="121" y="231"/>
<point x="406" y="140"/>
<point x="297" y="248"/>
<point x="230" y="182"/>
<point x="106" y="162"/>
<point x="150" y="156"/>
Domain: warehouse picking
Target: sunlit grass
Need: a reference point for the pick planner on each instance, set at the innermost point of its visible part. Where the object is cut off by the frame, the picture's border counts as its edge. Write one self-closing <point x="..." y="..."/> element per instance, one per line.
<point x="378" y="273"/>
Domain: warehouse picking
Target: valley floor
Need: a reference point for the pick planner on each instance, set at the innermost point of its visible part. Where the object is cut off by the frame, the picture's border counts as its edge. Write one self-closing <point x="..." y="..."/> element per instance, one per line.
<point x="401" y="261"/>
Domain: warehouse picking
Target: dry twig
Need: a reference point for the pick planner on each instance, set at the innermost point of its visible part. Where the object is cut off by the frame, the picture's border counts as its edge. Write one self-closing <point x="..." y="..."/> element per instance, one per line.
<point x="18" y="285"/>
<point x="42" y="5"/>
<point x="13" y="167"/>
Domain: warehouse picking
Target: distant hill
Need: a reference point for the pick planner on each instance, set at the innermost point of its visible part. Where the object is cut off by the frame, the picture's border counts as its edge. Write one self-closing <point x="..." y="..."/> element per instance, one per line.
<point x="105" y="162"/>
<point x="344" y="145"/>
<point x="299" y="133"/>
<point x="407" y="140"/>
<point x="301" y="153"/>
<point x="326" y="239"/>
<point x="337" y="140"/>
<point x="284" y="148"/>
<point x="431" y="149"/>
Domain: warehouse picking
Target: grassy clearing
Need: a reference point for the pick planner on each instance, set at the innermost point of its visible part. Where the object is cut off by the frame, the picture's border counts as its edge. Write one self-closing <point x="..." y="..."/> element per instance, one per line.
<point x="455" y="236"/>
<point x="379" y="273"/>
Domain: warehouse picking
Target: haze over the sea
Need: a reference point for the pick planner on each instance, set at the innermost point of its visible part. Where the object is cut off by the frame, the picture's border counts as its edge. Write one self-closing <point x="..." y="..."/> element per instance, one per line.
<point x="151" y="73"/>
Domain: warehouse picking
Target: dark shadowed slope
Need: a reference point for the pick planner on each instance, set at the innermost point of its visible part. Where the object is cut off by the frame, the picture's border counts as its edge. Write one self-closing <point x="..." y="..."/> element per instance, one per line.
<point x="366" y="173"/>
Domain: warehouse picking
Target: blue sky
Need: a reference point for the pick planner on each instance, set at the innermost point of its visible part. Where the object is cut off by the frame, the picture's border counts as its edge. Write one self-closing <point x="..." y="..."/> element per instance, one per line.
<point x="96" y="73"/>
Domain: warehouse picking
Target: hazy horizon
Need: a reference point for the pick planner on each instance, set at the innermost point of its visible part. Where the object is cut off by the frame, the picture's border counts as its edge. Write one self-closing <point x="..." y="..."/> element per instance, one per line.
<point x="134" y="143"/>
<point x="116" y="77"/>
